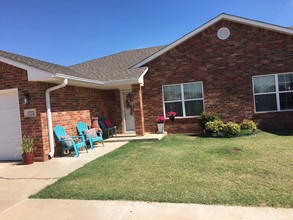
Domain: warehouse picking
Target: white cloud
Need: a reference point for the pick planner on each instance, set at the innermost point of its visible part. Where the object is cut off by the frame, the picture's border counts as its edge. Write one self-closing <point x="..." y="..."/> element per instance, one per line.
<point x="290" y="2"/>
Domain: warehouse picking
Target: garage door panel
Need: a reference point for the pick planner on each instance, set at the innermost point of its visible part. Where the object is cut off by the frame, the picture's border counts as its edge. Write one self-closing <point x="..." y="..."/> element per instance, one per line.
<point x="10" y="127"/>
<point x="9" y="150"/>
<point x="9" y="133"/>
<point x="9" y="117"/>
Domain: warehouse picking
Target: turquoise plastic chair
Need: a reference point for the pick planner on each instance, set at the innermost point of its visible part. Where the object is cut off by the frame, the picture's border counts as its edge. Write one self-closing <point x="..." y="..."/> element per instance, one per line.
<point x="81" y="126"/>
<point x="62" y="137"/>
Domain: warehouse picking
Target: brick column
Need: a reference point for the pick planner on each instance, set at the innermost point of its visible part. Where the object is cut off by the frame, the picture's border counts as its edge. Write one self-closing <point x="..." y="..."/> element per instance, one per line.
<point x="138" y="110"/>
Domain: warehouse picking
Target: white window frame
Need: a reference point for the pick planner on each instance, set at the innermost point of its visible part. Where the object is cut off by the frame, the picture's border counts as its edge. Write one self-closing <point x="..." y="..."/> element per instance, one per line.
<point x="183" y="99"/>
<point x="277" y="92"/>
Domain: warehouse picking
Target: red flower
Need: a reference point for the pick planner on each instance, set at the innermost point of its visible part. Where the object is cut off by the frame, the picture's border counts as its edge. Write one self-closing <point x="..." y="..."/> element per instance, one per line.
<point x="171" y="115"/>
<point x="160" y="119"/>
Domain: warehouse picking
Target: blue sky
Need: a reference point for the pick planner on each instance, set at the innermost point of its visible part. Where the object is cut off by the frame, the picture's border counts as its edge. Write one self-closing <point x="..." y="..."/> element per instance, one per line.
<point x="67" y="32"/>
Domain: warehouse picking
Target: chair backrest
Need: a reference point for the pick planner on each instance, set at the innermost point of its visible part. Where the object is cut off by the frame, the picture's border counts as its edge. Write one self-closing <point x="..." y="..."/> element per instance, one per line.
<point x="102" y="123"/>
<point x="59" y="131"/>
<point x="81" y="126"/>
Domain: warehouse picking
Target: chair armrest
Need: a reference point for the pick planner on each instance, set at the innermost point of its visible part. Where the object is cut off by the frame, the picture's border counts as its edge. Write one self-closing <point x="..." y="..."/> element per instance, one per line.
<point x="80" y="137"/>
<point x="76" y="136"/>
<point x="100" y="133"/>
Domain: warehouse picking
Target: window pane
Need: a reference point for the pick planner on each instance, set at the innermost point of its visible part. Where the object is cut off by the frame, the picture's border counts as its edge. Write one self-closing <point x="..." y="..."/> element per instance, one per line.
<point x="172" y="93"/>
<point x="264" y="84"/>
<point x="285" y="82"/>
<point x="194" y="108"/>
<point x="286" y="100"/>
<point x="192" y="91"/>
<point x="256" y="84"/>
<point x="174" y="106"/>
<point x="265" y="102"/>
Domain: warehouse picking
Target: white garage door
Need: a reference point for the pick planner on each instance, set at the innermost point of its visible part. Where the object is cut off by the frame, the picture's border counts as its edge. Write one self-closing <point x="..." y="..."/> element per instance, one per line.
<point x="10" y="128"/>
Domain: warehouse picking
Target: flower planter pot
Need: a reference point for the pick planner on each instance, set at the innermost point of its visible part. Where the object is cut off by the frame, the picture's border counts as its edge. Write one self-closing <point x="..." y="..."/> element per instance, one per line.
<point x="28" y="158"/>
<point x="160" y="128"/>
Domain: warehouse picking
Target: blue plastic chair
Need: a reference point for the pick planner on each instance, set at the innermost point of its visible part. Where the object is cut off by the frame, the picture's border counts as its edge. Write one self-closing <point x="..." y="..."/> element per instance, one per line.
<point x="81" y="126"/>
<point x="61" y="135"/>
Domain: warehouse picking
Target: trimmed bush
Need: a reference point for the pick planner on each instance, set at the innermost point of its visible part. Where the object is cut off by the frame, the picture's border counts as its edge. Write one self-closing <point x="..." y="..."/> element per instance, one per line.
<point x="248" y="125"/>
<point x="214" y="127"/>
<point x="207" y="117"/>
<point x="231" y="129"/>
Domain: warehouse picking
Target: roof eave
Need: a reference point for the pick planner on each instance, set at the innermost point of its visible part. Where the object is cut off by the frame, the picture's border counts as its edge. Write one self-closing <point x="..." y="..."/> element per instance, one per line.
<point x="35" y="74"/>
<point x="99" y="84"/>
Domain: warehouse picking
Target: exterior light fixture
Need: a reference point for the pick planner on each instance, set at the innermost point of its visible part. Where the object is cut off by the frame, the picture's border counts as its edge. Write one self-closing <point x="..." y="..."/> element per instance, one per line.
<point x="113" y="96"/>
<point x="26" y="98"/>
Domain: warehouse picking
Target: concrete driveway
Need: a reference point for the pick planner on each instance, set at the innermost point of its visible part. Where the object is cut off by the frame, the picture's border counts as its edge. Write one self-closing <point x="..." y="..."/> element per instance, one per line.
<point x="18" y="182"/>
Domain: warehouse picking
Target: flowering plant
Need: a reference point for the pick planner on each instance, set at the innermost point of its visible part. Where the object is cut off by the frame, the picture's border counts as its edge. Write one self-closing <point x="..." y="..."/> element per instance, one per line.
<point x="160" y="119"/>
<point x="171" y="115"/>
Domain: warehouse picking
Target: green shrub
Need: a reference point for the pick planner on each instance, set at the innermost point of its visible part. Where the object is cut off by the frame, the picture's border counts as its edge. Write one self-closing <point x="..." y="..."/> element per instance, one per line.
<point x="214" y="127"/>
<point x="207" y="117"/>
<point x="248" y="125"/>
<point x="231" y="129"/>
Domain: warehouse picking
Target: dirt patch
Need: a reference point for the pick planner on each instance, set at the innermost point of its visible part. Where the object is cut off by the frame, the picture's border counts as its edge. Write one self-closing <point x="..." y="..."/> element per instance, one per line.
<point x="235" y="150"/>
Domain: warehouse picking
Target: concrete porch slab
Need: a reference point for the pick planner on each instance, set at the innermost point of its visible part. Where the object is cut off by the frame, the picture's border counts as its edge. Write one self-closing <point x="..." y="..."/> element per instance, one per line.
<point x="133" y="137"/>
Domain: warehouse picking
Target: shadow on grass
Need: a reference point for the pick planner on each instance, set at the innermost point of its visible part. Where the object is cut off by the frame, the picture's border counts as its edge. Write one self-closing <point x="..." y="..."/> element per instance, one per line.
<point x="288" y="132"/>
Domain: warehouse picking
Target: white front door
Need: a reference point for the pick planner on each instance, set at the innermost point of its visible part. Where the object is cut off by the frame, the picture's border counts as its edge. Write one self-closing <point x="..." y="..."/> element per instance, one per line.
<point x="10" y="127"/>
<point x="127" y="111"/>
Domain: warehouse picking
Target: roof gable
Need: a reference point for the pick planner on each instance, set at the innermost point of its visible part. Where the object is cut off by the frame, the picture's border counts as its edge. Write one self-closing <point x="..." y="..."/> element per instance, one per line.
<point x="210" y="23"/>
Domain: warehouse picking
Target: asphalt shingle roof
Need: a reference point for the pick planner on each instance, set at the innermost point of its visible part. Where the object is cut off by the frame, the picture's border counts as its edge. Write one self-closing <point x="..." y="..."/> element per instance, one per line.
<point x="39" y="64"/>
<point x="116" y="66"/>
<point x="109" y="68"/>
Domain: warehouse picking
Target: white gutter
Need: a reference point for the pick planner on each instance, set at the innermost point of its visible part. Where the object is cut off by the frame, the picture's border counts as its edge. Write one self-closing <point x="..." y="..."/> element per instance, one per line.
<point x="100" y="83"/>
<point x="49" y="115"/>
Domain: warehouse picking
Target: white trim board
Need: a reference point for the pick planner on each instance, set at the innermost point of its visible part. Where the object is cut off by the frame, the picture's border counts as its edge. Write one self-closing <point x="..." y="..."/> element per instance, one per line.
<point x="33" y="74"/>
<point x="210" y="23"/>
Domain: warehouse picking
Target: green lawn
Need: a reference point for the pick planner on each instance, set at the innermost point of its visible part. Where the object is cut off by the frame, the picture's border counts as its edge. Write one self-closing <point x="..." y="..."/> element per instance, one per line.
<point x="187" y="169"/>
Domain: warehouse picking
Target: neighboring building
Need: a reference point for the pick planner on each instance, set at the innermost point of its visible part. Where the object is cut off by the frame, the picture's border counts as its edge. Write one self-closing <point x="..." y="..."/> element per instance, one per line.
<point x="237" y="67"/>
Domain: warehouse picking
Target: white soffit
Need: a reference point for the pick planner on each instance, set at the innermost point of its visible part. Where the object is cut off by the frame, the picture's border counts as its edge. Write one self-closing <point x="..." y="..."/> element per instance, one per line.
<point x="210" y="23"/>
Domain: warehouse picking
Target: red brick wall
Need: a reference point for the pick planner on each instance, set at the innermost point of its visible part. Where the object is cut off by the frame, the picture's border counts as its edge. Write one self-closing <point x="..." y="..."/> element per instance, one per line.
<point x="69" y="105"/>
<point x="226" y="68"/>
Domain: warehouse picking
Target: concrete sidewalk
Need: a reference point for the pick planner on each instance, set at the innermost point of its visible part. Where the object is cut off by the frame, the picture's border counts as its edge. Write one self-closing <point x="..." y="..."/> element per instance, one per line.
<point x="18" y="182"/>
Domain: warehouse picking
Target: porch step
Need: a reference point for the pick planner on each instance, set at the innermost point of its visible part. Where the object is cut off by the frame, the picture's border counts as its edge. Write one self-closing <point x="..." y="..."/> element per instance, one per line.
<point x="133" y="137"/>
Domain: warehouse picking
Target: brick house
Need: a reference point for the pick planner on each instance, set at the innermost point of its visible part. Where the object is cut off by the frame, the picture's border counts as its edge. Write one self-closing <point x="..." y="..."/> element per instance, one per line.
<point x="237" y="67"/>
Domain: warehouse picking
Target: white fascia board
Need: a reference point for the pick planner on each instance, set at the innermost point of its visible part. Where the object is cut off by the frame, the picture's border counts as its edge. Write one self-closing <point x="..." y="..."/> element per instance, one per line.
<point x="33" y="74"/>
<point x="141" y="78"/>
<point x="121" y="82"/>
<point x="210" y="23"/>
<point x="258" y="24"/>
<point x="63" y="76"/>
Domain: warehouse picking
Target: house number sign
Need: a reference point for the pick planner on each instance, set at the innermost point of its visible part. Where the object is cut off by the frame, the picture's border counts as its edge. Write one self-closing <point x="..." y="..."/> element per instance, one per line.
<point x="30" y="113"/>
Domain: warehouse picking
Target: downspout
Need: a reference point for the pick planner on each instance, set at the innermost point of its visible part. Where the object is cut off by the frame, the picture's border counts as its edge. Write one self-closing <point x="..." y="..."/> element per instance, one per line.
<point x="49" y="115"/>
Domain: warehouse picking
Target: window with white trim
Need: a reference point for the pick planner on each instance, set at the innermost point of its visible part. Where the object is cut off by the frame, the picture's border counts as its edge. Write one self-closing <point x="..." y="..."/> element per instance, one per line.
<point x="273" y="92"/>
<point x="185" y="99"/>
